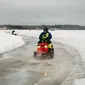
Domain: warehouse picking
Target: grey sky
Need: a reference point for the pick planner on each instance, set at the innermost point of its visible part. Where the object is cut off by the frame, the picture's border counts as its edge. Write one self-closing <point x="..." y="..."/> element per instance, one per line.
<point x="42" y="12"/>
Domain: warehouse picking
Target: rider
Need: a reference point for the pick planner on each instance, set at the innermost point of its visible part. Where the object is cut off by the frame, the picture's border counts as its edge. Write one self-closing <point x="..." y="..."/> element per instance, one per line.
<point x="45" y="36"/>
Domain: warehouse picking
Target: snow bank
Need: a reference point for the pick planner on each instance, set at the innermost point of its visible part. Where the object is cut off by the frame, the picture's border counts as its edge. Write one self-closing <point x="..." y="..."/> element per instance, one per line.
<point x="9" y="42"/>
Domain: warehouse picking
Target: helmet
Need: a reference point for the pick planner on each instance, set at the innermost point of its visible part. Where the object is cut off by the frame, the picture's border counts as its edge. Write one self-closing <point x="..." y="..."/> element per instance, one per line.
<point x="45" y="29"/>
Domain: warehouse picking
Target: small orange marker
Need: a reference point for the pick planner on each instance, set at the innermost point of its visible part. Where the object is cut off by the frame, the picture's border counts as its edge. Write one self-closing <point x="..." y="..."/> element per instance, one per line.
<point x="44" y="73"/>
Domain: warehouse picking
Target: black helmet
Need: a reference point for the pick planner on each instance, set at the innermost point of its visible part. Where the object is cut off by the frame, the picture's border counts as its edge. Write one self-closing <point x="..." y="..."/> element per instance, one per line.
<point x="45" y="29"/>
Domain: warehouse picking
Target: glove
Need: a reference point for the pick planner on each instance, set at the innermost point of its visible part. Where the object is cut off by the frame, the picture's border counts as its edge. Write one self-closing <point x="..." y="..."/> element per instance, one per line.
<point x="44" y="37"/>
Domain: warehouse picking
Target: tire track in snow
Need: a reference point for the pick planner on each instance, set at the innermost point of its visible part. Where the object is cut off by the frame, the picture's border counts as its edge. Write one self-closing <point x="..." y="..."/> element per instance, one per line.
<point x="77" y="72"/>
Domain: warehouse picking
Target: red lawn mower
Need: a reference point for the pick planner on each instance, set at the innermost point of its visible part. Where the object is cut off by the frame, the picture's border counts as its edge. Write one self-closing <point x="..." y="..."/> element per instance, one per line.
<point x="43" y="51"/>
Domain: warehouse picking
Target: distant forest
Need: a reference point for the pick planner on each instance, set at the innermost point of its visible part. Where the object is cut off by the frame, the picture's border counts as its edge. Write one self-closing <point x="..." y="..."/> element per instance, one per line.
<point x="52" y="27"/>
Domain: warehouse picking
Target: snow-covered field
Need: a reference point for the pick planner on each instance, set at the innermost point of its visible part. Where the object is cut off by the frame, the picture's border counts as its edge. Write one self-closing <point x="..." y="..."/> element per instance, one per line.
<point x="74" y="38"/>
<point x="9" y="42"/>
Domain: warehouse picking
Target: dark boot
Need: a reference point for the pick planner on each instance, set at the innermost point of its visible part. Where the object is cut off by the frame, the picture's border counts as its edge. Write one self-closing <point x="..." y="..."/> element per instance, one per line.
<point x="49" y="49"/>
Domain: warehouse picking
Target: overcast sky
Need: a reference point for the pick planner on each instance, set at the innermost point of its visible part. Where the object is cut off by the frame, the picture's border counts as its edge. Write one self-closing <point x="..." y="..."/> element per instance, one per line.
<point x="25" y="12"/>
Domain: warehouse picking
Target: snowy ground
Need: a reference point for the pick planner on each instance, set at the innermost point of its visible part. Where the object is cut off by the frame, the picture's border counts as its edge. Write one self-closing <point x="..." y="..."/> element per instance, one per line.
<point x="68" y="37"/>
<point x="9" y="42"/>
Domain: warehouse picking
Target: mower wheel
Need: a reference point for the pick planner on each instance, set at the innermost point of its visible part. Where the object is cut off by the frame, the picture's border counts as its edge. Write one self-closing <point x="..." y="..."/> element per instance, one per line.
<point x="35" y="54"/>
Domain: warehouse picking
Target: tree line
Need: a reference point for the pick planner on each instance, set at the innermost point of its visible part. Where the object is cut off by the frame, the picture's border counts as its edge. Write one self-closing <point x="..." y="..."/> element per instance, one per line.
<point x="31" y="27"/>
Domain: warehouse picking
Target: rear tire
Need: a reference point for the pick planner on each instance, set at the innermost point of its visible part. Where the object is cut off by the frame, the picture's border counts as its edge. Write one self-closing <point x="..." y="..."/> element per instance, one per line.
<point x="51" y="53"/>
<point x="35" y="54"/>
